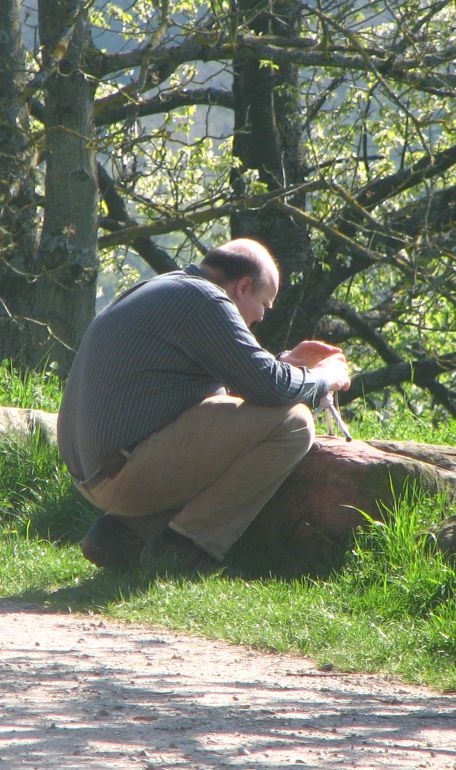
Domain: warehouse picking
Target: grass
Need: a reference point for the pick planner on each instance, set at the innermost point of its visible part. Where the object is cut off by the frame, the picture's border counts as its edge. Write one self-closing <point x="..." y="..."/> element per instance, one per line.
<point x="401" y="425"/>
<point x="31" y="390"/>
<point x="392" y="606"/>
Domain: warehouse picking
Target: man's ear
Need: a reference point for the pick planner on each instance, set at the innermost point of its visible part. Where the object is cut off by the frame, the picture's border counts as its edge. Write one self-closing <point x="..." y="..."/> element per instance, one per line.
<point x="242" y="286"/>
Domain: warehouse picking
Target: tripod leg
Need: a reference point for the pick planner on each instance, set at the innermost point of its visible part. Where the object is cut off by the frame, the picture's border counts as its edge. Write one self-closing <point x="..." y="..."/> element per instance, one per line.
<point x="342" y="427"/>
<point x="329" y="411"/>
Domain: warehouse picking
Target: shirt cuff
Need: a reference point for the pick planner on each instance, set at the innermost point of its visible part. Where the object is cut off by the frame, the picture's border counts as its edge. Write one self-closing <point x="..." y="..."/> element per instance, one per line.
<point x="316" y="386"/>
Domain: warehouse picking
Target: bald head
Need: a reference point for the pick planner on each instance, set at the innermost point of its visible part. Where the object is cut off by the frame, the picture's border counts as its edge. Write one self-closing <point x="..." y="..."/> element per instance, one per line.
<point x="248" y="273"/>
<point x="238" y="258"/>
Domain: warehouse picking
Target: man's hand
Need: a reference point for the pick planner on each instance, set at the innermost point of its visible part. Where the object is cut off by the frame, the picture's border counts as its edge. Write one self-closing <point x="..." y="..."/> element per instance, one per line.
<point x="325" y="360"/>
<point x="309" y="353"/>
<point x="334" y="369"/>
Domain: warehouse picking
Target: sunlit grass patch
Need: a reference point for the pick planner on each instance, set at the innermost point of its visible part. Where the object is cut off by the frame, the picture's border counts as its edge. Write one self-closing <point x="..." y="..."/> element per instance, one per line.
<point x="29" y="390"/>
<point x="29" y="564"/>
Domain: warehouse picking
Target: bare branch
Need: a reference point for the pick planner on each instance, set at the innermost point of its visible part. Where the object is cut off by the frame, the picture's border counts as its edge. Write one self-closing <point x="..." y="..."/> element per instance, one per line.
<point x="420" y="372"/>
<point x="157" y="258"/>
<point x="210" y="45"/>
<point x="118" y="107"/>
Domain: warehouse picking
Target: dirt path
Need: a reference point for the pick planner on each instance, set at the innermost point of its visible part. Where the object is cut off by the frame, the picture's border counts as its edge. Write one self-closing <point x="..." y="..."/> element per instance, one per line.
<point x="79" y="692"/>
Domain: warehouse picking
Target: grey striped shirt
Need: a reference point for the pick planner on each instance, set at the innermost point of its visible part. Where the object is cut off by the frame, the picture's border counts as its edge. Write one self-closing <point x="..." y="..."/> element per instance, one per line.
<point x="158" y="349"/>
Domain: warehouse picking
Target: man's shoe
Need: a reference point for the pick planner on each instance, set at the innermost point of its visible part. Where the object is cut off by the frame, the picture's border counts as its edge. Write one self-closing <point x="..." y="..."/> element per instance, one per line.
<point x="109" y="543"/>
<point x="181" y="551"/>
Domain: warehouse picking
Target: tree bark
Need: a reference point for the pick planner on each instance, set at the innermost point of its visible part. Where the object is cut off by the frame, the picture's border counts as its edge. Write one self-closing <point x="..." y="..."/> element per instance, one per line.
<point x="65" y="294"/>
<point x="267" y="140"/>
<point x="47" y="293"/>
<point x="17" y="193"/>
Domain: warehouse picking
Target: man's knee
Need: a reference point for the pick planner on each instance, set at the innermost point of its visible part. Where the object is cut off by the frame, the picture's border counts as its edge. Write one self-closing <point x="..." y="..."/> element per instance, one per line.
<point x="300" y="428"/>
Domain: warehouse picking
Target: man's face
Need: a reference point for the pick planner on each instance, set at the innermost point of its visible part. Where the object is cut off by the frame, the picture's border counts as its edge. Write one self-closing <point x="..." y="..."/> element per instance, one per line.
<point x="252" y="302"/>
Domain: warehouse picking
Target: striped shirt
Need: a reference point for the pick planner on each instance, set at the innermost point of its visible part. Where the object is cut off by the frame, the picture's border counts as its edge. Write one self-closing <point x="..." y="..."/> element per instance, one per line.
<point x="158" y="349"/>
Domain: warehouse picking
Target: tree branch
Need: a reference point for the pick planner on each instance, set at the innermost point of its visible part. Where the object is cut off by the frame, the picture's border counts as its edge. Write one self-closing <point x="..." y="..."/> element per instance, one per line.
<point x="427" y="215"/>
<point x="408" y="72"/>
<point x="117" y="107"/>
<point x="209" y="45"/>
<point x="382" y="189"/>
<point x="426" y="168"/>
<point x="157" y="258"/>
<point x="421" y="372"/>
<point x="192" y="216"/>
<point x="345" y="243"/>
<point x="438" y="212"/>
<point x="364" y="329"/>
<point x="203" y="45"/>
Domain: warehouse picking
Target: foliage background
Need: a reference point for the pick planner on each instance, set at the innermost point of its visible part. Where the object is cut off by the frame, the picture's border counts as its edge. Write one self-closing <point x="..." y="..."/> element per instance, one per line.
<point x="137" y="135"/>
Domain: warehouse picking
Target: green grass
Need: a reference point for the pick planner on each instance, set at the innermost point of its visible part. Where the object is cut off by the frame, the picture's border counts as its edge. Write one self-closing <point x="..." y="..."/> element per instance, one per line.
<point x="31" y="390"/>
<point x="400" y="425"/>
<point x="392" y="606"/>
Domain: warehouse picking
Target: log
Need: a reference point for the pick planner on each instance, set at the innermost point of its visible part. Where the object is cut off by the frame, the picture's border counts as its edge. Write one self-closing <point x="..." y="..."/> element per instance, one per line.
<point x="27" y="421"/>
<point x="305" y="525"/>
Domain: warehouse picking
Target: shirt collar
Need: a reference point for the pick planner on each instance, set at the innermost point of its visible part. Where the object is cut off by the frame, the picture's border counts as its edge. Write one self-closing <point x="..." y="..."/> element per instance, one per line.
<point x="199" y="272"/>
<point x="194" y="270"/>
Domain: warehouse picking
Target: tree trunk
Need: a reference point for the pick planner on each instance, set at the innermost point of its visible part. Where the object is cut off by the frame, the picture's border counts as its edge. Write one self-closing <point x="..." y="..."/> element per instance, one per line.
<point x="65" y="295"/>
<point x="268" y="141"/>
<point x="17" y="193"/>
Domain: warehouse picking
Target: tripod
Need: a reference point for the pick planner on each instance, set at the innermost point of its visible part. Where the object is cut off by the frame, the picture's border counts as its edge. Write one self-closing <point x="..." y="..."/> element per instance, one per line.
<point x="329" y="404"/>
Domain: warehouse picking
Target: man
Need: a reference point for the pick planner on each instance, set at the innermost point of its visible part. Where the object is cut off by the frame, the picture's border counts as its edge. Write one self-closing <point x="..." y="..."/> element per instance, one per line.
<point x="176" y="421"/>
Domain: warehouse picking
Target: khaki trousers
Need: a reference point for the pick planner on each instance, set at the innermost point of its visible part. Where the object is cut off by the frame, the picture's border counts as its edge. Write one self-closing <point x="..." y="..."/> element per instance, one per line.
<point x="210" y="472"/>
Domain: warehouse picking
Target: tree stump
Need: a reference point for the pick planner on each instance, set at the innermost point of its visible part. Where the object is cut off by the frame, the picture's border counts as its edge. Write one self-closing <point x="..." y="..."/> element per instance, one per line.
<point x="305" y="525"/>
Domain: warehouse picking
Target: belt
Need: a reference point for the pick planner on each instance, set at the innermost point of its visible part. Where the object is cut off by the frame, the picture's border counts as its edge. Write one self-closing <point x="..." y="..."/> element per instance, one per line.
<point x="108" y="469"/>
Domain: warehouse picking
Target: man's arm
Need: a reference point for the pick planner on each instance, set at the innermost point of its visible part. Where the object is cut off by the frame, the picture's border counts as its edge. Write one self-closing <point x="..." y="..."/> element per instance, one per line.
<point x="217" y="338"/>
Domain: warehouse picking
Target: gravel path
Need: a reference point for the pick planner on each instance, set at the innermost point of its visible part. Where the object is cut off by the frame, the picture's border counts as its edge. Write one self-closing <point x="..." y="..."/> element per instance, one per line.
<point x="79" y="693"/>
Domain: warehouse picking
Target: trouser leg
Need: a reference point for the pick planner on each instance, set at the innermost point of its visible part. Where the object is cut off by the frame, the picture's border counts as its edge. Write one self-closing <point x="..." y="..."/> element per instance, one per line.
<point x="219" y="463"/>
<point x="145" y="526"/>
<point x="216" y="517"/>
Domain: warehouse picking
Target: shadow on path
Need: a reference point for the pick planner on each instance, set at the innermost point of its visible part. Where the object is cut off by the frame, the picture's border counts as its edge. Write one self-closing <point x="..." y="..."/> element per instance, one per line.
<point x="81" y="692"/>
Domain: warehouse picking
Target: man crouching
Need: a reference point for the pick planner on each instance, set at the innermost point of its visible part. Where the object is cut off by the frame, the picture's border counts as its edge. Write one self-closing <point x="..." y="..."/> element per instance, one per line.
<point x="176" y="420"/>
